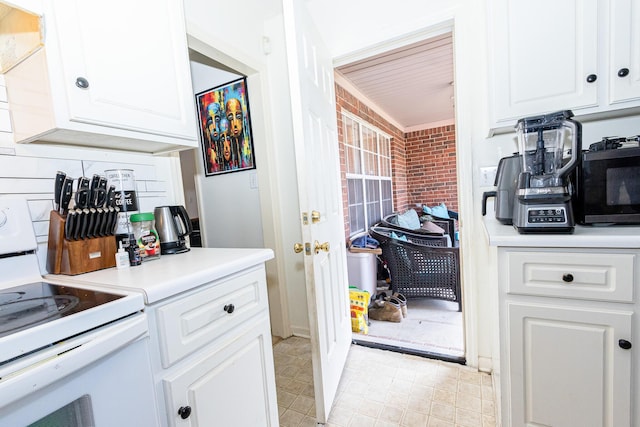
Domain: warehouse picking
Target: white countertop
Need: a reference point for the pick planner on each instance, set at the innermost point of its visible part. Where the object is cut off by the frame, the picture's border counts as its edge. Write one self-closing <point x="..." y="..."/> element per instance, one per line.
<point x="172" y="274"/>
<point x="618" y="236"/>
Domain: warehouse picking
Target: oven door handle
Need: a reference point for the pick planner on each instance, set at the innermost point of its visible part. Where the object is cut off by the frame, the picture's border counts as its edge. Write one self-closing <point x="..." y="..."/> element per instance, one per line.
<point x="72" y="356"/>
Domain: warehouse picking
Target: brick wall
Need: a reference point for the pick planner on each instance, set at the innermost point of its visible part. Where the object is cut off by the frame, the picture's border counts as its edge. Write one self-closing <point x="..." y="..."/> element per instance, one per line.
<point x="423" y="162"/>
<point x="431" y="167"/>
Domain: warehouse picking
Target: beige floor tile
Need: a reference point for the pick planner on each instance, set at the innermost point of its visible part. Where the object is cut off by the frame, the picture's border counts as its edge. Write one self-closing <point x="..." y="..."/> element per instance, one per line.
<point x="466" y="418"/>
<point x="291" y="418"/>
<point x="359" y="420"/>
<point x="469" y="402"/>
<point x="414" y="419"/>
<point x="444" y="397"/>
<point x="384" y="389"/>
<point x="302" y="404"/>
<point x="442" y="411"/>
<point x="391" y="414"/>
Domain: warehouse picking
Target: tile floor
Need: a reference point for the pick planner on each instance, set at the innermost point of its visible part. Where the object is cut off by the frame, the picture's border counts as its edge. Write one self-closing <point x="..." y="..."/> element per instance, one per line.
<point x="433" y="326"/>
<point x="381" y="388"/>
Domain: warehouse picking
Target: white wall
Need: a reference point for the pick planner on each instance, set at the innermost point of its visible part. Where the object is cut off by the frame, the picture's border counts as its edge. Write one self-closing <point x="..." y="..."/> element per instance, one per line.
<point x="257" y="50"/>
<point x="229" y="204"/>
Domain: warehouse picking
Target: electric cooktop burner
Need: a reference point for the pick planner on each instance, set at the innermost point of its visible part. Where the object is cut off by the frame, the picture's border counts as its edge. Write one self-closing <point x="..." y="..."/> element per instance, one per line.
<point x="32" y="304"/>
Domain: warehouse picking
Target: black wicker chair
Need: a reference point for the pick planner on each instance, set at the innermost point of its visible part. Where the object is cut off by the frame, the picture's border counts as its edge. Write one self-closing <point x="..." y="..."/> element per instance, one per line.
<point x="422" y="266"/>
<point x="447" y="224"/>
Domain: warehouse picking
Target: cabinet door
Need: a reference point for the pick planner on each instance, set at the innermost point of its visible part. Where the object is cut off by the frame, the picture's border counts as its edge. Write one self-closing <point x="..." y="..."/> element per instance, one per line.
<point x="542" y="53"/>
<point x="134" y="61"/>
<point x="625" y="51"/>
<point x="567" y="368"/>
<point x="234" y="385"/>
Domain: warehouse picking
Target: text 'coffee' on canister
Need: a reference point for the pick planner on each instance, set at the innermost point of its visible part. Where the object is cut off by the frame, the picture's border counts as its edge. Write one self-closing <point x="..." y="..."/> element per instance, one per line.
<point x="126" y="198"/>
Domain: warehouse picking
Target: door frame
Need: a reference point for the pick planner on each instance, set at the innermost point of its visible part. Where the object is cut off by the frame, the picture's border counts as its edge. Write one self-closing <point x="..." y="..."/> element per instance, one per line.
<point x="272" y="235"/>
<point x="464" y="162"/>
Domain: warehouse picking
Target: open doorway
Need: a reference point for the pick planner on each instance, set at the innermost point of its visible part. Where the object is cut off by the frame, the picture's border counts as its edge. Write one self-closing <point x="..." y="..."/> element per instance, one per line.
<point x="403" y="96"/>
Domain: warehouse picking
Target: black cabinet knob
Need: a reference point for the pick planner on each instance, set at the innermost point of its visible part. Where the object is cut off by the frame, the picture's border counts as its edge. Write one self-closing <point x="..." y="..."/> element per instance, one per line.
<point x="591" y="78"/>
<point x="82" y="83"/>
<point x="229" y="308"/>
<point x="624" y="344"/>
<point x="184" y="412"/>
<point x="567" y="277"/>
<point x="623" y="72"/>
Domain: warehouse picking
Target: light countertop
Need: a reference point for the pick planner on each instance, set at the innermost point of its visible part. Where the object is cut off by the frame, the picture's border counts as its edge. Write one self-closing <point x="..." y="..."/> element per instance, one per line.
<point x="170" y="275"/>
<point x="612" y="236"/>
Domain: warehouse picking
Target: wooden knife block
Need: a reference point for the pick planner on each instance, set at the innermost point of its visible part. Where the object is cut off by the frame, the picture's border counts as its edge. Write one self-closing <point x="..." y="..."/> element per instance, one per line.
<point x="73" y="257"/>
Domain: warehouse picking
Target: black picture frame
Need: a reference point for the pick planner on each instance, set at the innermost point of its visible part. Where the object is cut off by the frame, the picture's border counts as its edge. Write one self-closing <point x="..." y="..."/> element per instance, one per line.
<point x="225" y="128"/>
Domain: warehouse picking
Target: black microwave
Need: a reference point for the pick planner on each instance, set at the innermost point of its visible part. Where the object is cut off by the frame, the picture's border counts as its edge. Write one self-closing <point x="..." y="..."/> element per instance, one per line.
<point x="608" y="186"/>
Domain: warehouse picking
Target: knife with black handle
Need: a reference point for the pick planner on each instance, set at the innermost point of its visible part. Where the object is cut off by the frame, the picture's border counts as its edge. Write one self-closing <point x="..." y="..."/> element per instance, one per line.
<point x="69" y="225"/>
<point x="65" y="195"/>
<point x="57" y="188"/>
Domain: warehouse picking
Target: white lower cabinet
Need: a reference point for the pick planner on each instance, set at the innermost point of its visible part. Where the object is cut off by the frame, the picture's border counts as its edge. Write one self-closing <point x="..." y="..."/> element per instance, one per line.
<point x="566" y="366"/>
<point x="566" y="331"/>
<point x="230" y="386"/>
<point x="214" y="364"/>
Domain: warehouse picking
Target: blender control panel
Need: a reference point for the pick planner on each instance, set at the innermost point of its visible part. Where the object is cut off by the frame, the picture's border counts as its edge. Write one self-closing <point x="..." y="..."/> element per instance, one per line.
<point x="549" y="215"/>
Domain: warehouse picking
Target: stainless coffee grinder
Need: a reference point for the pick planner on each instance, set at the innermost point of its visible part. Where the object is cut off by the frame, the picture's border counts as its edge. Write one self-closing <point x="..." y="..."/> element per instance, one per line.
<point x="550" y="147"/>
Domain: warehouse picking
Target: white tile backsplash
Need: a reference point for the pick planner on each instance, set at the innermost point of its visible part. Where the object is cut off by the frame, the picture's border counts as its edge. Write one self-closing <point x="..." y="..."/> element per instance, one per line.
<point x="32" y="177"/>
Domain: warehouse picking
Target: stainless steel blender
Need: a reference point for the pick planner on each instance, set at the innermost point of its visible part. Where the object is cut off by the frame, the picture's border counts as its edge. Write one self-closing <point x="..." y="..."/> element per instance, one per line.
<point x="550" y="147"/>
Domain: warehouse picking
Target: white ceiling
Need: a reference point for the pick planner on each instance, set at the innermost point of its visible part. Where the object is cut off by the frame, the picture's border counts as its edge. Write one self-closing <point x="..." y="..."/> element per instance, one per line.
<point x="412" y="85"/>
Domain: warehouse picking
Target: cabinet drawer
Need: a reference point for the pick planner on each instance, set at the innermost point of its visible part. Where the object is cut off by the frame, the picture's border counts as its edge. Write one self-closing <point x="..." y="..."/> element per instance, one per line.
<point x="194" y="321"/>
<point x="581" y="275"/>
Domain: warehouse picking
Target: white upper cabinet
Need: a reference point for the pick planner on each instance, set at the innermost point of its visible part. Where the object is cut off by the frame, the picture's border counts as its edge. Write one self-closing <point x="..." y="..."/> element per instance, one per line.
<point x="111" y="74"/>
<point x="624" y="50"/>
<point x="547" y="55"/>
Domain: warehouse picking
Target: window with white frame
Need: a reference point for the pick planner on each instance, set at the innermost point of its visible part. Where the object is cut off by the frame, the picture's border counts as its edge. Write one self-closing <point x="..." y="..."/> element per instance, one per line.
<point x="368" y="169"/>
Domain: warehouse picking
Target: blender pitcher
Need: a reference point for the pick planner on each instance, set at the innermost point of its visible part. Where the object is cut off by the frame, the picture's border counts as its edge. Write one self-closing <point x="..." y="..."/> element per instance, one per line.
<point x="550" y="147"/>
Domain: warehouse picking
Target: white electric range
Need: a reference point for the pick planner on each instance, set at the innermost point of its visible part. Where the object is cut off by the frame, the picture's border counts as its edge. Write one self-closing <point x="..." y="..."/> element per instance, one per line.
<point x="70" y="354"/>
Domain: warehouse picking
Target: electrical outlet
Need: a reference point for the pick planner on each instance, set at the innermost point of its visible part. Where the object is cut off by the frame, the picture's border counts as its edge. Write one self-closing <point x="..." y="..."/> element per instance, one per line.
<point x="488" y="176"/>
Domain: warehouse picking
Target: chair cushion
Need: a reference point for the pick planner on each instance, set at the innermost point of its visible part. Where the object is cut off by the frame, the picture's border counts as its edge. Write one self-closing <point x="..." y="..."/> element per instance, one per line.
<point x="395" y="236"/>
<point x="440" y="211"/>
<point x="431" y="227"/>
<point x="409" y="220"/>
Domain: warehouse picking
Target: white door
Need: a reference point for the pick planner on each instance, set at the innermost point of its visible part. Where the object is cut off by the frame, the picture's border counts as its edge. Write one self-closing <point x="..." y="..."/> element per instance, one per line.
<point x="624" y="69"/>
<point x="543" y="53"/>
<point x="100" y="40"/>
<point x="319" y="188"/>
<point x="567" y="367"/>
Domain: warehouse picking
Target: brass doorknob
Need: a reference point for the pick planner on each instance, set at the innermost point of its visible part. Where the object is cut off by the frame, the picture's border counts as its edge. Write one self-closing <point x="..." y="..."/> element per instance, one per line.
<point x="298" y="247"/>
<point x="321" y="247"/>
<point x="315" y="216"/>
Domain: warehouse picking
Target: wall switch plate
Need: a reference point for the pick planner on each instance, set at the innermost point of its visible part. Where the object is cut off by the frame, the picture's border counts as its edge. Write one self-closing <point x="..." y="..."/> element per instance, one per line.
<point x="253" y="180"/>
<point x="488" y="176"/>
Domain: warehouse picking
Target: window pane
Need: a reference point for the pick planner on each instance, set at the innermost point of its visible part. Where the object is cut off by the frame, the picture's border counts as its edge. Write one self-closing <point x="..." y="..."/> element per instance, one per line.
<point x="356" y="205"/>
<point x="369" y="140"/>
<point x="352" y="145"/>
<point x="371" y="163"/>
<point x="373" y="201"/>
<point x="387" y="200"/>
<point x="368" y="155"/>
<point x="353" y="159"/>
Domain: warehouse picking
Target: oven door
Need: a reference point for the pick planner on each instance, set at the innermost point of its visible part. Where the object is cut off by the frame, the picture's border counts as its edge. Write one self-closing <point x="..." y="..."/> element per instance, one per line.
<point x="100" y="378"/>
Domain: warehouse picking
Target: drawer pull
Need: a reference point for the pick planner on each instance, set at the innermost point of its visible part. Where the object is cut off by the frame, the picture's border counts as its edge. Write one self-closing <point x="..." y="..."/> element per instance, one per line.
<point x="568" y="277"/>
<point x="624" y="344"/>
<point x="184" y="412"/>
<point x="229" y="308"/>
